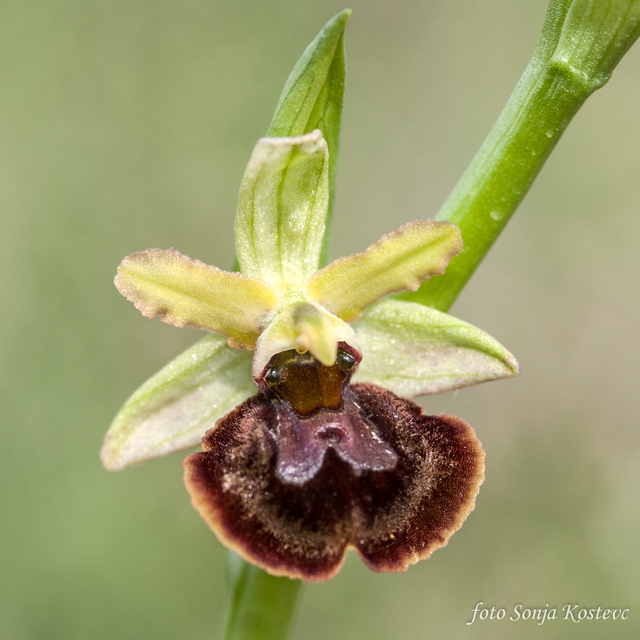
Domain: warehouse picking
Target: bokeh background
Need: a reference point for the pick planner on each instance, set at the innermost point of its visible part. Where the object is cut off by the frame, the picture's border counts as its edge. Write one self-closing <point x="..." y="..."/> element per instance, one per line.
<point x="126" y="125"/>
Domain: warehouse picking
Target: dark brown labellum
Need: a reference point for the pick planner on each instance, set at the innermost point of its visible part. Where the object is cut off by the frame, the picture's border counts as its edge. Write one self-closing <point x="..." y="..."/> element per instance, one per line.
<point x="313" y="466"/>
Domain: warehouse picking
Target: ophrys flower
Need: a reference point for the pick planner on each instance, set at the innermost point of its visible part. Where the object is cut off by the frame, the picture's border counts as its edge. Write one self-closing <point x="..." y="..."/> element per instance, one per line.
<point x="319" y="449"/>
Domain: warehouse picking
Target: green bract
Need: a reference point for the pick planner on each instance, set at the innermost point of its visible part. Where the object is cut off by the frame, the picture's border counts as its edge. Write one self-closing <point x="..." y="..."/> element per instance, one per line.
<point x="281" y="301"/>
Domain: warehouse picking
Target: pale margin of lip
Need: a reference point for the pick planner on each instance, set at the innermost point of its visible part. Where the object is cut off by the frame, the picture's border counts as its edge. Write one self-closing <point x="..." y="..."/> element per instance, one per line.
<point x="392" y="517"/>
<point x="411" y="350"/>
<point x="175" y="408"/>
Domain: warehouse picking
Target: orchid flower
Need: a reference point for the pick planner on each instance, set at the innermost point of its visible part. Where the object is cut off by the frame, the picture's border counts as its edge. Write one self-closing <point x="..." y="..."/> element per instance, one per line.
<point x="301" y="394"/>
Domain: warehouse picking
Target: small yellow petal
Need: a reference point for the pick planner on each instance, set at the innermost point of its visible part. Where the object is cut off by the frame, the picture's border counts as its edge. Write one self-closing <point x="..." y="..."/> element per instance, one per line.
<point x="187" y="292"/>
<point x="400" y="260"/>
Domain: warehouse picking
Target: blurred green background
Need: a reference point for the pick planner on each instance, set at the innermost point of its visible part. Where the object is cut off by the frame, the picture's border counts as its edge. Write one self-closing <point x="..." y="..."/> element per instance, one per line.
<point x="127" y="125"/>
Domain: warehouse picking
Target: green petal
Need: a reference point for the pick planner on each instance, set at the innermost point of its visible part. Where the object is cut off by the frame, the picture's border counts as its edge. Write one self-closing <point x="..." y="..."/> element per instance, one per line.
<point x="411" y="350"/>
<point x="313" y="95"/>
<point x="175" y="408"/>
<point x="400" y="260"/>
<point x="188" y="292"/>
<point x="281" y="210"/>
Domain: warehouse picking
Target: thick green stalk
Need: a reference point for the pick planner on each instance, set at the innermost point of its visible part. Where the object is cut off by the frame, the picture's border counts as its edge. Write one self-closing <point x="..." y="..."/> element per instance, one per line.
<point x="582" y="41"/>
<point x="262" y="606"/>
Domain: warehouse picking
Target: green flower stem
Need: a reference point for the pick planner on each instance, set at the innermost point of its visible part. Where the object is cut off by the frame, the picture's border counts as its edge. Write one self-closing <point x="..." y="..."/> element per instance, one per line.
<point x="581" y="43"/>
<point x="262" y="606"/>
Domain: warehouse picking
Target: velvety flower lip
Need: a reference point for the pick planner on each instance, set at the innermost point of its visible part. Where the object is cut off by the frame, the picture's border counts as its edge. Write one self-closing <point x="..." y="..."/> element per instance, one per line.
<point x="292" y="494"/>
<point x="299" y="463"/>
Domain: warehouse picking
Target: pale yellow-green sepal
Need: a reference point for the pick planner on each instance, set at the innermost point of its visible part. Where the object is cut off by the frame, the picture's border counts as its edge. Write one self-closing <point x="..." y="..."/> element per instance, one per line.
<point x="187" y="292"/>
<point x="282" y="208"/>
<point x="176" y="407"/>
<point x="305" y="327"/>
<point x="412" y="350"/>
<point x="398" y="261"/>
